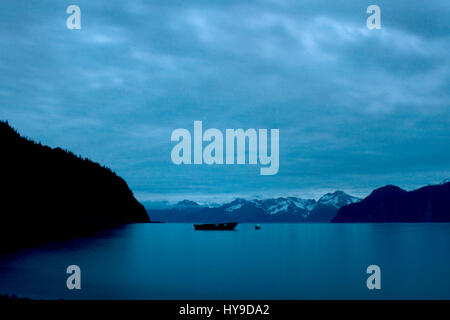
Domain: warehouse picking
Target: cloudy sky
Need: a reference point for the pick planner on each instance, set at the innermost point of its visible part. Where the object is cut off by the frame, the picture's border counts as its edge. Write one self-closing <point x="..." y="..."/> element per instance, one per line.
<point x="356" y="108"/>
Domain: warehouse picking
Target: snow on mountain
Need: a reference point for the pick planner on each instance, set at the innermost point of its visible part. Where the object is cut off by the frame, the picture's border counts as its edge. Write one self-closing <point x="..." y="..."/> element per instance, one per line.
<point x="234" y="207"/>
<point x="273" y="206"/>
<point x="283" y="209"/>
<point x="284" y="205"/>
<point x="307" y="204"/>
<point x="277" y="206"/>
<point x="184" y="204"/>
<point x="269" y="206"/>
<point x="337" y="199"/>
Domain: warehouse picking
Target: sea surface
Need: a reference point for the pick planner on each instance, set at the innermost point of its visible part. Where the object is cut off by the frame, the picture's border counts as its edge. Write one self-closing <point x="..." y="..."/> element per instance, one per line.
<point x="280" y="261"/>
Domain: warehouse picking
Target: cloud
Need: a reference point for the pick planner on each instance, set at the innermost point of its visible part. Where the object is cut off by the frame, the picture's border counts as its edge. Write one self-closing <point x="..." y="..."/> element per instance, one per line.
<point x="356" y="108"/>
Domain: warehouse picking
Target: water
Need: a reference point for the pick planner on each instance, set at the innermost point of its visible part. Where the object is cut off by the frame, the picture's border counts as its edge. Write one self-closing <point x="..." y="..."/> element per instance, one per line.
<point x="280" y="261"/>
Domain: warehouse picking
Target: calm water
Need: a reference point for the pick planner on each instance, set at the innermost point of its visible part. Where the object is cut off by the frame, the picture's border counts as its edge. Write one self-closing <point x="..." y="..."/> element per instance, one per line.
<point x="281" y="261"/>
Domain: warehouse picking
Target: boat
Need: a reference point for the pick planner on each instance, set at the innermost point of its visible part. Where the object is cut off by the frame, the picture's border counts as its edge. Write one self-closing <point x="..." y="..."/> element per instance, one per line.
<point x="216" y="226"/>
<point x="257" y="227"/>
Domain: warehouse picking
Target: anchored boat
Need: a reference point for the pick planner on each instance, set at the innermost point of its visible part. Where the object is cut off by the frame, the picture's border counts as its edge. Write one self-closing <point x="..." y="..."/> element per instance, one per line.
<point x="216" y="226"/>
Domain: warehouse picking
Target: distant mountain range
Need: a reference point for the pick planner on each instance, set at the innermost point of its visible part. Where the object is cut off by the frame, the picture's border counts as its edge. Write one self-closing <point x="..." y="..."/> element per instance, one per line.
<point x="289" y="209"/>
<point x="386" y="204"/>
<point x="393" y="204"/>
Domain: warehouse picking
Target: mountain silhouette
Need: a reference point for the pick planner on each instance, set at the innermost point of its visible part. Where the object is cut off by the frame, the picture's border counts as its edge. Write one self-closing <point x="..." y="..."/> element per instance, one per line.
<point x="393" y="204"/>
<point x="51" y="189"/>
<point x="328" y="206"/>
<point x="187" y="204"/>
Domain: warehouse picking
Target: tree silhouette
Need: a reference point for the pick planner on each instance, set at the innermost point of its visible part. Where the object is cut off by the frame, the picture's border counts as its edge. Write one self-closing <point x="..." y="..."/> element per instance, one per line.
<point x="43" y="186"/>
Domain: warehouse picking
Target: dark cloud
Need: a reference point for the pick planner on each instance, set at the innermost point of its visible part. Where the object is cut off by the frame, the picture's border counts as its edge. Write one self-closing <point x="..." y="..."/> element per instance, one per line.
<point x="356" y="108"/>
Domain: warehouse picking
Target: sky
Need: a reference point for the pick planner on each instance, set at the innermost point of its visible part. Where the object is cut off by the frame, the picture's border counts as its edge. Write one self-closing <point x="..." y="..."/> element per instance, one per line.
<point x="356" y="108"/>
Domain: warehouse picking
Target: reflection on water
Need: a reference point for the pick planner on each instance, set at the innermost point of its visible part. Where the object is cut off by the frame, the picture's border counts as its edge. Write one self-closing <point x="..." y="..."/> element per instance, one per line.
<point x="280" y="261"/>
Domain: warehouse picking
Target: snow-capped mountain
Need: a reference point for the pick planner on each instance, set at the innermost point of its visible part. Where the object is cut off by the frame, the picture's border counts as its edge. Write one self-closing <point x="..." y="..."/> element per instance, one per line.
<point x="184" y="204"/>
<point x="337" y="199"/>
<point x="283" y="209"/>
<point x="271" y="207"/>
<point x="292" y="205"/>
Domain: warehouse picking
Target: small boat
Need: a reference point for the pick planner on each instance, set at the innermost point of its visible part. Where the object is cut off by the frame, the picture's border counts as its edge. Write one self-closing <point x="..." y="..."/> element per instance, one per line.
<point x="216" y="226"/>
<point x="257" y="227"/>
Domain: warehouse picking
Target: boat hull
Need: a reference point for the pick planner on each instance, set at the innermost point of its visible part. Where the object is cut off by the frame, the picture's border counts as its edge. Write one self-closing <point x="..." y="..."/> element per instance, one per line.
<point x="216" y="226"/>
